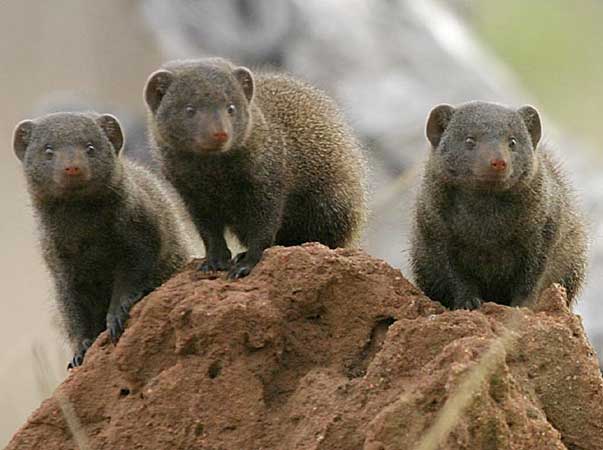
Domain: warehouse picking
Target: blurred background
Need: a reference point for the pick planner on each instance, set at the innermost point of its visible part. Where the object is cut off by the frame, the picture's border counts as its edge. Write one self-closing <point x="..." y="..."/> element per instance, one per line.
<point x="387" y="62"/>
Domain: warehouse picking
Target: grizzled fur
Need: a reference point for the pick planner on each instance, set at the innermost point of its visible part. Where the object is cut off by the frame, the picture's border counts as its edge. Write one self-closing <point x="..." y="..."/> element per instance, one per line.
<point x="495" y="218"/>
<point x="265" y="155"/>
<point x="110" y="234"/>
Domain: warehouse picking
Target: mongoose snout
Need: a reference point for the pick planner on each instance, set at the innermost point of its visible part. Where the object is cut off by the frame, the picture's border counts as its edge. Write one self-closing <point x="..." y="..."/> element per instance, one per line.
<point x="498" y="165"/>
<point x="213" y="131"/>
<point x="493" y="164"/>
<point x="71" y="168"/>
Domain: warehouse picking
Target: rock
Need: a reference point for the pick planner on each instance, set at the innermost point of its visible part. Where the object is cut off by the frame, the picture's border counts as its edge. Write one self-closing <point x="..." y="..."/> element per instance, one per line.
<point x="322" y="349"/>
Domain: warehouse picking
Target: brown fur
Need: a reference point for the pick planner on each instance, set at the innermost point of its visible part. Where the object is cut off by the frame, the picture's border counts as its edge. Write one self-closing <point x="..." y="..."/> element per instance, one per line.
<point x="290" y="172"/>
<point x="109" y="236"/>
<point x="485" y="234"/>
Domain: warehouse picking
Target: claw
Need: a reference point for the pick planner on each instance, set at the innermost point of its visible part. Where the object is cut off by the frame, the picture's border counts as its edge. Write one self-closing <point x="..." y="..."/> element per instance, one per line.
<point x="241" y="265"/>
<point x="78" y="358"/>
<point x="204" y="267"/>
<point x="116" y="324"/>
<point x="76" y="361"/>
<point x="469" y="303"/>
<point x="240" y="270"/>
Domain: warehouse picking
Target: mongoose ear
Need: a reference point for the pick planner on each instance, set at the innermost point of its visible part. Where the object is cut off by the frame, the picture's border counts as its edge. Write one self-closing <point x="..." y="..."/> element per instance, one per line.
<point x="156" y="87"/>
<point x="245" y="78"/>
<point x="438" y="120"/>
<point x="531" y="118"/>
<point x="111" y="127"/>
<point x="22" y="137"/>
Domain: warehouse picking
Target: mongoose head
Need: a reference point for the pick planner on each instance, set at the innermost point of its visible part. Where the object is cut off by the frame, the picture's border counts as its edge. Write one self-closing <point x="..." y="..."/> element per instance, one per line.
<point x="484" y="146"/>
<point x="68" y="155"/>
<point x="200" y="106"/>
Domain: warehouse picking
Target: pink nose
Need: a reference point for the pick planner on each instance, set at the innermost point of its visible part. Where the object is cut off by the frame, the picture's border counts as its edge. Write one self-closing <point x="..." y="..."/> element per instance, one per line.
<point x="500" y="165"/>
<point x="72" y="170"/>
<point x="221" y="136"/>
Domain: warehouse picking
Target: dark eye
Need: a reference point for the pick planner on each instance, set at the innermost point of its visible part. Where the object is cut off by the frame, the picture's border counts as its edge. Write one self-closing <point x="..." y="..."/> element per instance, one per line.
<point x="190" y="111"/>
<point x="512" y="142"/>
<point x="90" y="149"/>
<point x="470" y="142"/>
<point x="48" y="151"/>
<point x="231" y="109"/>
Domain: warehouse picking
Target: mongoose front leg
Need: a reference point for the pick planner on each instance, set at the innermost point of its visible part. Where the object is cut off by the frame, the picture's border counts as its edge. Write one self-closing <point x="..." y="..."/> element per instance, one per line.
<point x="245" y="261"/>
<point x="469" y="303"/>
<point x="131" y="285"/>
<point x="119" y="312"/>
<point x="78" y="357"/>
<point x="82" y="327"/>
<point x="447" y="283"/>
<point x="257" y="234"/>
<point x="465" y="296"/>
<point x="217" y="254"/>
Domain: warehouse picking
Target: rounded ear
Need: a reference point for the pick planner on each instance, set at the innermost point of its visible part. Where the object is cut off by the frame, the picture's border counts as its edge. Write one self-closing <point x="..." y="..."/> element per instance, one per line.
<point x="438" y="120"/>
<point x="111" y="127"/>
<point x="245" y="78"/>
<point x="156" y="87"/>
<point x="22" y="137"/>
<point x="531" y="118"/>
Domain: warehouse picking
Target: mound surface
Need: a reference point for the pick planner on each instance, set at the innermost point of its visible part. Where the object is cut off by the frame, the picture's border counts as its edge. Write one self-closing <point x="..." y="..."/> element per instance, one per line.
<point x="322" y="349"/>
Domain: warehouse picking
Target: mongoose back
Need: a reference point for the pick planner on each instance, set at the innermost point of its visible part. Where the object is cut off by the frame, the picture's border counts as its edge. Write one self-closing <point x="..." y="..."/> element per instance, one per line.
<point x="110" y="230"/>
<point x="265" y="155"/>
<point x="495" y="218"/>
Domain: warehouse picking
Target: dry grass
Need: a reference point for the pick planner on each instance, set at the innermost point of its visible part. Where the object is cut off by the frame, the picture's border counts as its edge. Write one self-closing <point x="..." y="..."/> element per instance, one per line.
<point x="454" y="407"/>
<point x="46" y="378"/>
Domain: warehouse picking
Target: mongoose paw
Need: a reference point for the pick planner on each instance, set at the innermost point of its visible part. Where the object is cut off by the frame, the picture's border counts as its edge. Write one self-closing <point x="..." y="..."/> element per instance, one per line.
<point x="78" y="358"/>
<point x="213" y="265"/>
<point x="241" y="266"/>
<point x="469" y="303"/>
<point x="116" y="322"/>
<point x="240" y="270"/>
